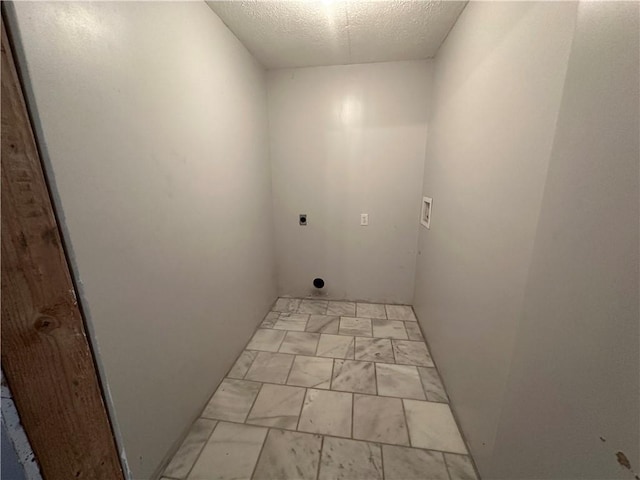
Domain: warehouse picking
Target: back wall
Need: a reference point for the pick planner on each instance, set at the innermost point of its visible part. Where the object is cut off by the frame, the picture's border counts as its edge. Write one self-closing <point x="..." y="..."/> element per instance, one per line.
<point x="347" y="140"/>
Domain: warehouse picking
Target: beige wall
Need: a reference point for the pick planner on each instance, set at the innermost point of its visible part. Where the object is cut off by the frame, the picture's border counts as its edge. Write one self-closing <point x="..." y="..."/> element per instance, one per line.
<point x="347" y="140"/>
<point x="497" y="86"/>
<point x="154" y="121"/>
<point x="575" y="370"/>
<point x="527" y="282"/>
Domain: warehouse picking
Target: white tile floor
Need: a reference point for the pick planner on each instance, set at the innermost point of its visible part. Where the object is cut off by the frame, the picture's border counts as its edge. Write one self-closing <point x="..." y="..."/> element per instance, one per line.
<point x="328" y="390"/>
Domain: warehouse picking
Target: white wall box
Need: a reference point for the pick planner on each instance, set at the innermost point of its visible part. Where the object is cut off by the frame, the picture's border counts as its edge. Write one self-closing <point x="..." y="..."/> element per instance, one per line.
<point x="425" y="216"/>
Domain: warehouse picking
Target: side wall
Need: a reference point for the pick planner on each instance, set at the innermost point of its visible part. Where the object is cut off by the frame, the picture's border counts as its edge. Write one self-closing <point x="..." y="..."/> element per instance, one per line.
<point x="497" y="87"/>
<point x="153" y="119"/>
<point x="347" y="140"/>
<point x="527" y="283"/>
<point x="575" y="370"/>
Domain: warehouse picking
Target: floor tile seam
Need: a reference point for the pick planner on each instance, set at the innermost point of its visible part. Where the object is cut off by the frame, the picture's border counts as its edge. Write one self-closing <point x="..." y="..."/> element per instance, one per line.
<point x="333" y="358"/>
<point x="343" y="300"/>
<point x="281" y="341"/>
<point x="296" y="353"/>
<point x="288" y="396"/>
<point x="320" y="456"/>
<point x="406" y="422"/>
<point x="353" y="402"/>
<point x="404" y="329"/>
<point x="402" y="399"/>
<point x="315" y="353"/>
<point x="286" y="380"/>
<point x="426" y="394"/>
<point x="253" y="403"/>
<point x="333" y="369"/>
<point x="306" y="313"/>
<point x="264" y="442"/>
<point x="250" y="364"/>
<point x="444" y="388"/>
<point x="375" y="377"/>
<point x="382" y="462"/>
<point x="344" y="391"/>
<point x="381" y="443"/>
<point x="347" y="335"/>
<point x="199" y="450"/>
<point x="203" y="447"/>
<point x="304" y="399"/>
<point x="446" y="466"/>
<point x="238" y="357"/>
<point x="364" y="393"/>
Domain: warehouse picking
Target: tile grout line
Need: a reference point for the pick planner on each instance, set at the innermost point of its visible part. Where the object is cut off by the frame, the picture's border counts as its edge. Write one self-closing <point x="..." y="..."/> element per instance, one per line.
<point x="253" y="404"/>
<point x="406" y="422"/>
<point x="286" y="380"/>
<point x="382" y="461"/>
<point x="446" y="466"/>
<point x="375" y="376"/>
<point x="315" y="354"/>
<point x="320" y="456"/>
<point x="353" y="401"/>
<point x="249" y="367"/>
<point x="281" y="342"/>
<point x="404" y="329"/>
<point x="304" y="399"/>
<point x="393" y="351"/>
<point x="225" y="376"/>
<point x="301" y="407"/>
<point x="341" y="391"/>
<point x="426" y="394"/>
<point x="333" y="366"/>
<point x="345" y="437"/>
<point x="449" y="403"/>
<point x="203" y="447"/>
<point x="264" y="442"/>
<point x="347" y="334"/>
<point x="163" y="474"/>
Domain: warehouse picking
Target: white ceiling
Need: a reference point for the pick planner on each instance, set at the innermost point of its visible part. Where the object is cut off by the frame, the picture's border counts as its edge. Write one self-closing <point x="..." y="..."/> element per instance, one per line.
<point x="335" y="32"/>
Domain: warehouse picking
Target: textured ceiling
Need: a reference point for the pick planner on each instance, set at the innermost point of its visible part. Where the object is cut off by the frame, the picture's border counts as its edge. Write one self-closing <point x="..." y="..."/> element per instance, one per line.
<point x="307" y="33"/>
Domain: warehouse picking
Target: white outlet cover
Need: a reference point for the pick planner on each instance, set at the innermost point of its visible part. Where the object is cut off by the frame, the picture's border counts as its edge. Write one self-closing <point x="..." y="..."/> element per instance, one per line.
<point x="425" y="216"/>
<point x="364" y="219"/>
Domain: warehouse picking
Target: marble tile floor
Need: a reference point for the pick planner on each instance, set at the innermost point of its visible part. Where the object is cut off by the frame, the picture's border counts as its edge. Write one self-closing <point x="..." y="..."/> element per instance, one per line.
<point x="328" y="390"/>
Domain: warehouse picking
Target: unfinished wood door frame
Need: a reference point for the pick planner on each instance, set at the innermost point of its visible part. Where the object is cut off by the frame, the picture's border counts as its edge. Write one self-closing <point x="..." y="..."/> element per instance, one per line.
<point x="46" y="357"/>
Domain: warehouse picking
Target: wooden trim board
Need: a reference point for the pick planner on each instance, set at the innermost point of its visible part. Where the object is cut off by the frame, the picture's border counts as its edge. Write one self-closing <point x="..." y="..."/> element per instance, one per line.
<point x="46" y="356"/>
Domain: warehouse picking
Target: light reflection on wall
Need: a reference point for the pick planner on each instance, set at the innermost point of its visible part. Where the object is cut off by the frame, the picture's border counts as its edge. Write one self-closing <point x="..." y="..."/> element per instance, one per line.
<point x="330" y="12"/>
<point x="81" y="21"/>
<point x="350" y="111"/>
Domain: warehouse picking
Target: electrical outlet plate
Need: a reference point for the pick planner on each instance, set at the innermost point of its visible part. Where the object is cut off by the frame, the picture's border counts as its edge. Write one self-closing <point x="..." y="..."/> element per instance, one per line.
<point x="364" y="219"/>
<point x="425" y="217"/>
